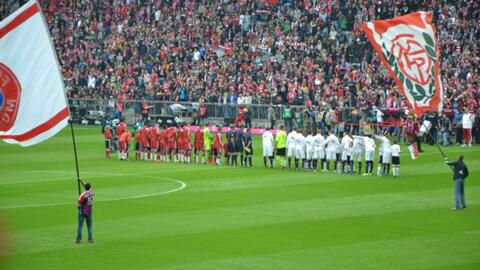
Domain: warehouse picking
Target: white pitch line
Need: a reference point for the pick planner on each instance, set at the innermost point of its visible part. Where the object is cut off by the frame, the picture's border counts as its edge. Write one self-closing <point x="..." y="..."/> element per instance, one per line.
<point x="181" y="183"/>
<point x="52" y="180"/>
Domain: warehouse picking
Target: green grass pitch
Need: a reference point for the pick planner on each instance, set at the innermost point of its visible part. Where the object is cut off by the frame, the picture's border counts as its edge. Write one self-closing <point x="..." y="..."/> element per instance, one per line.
<point x="169" y="216"/>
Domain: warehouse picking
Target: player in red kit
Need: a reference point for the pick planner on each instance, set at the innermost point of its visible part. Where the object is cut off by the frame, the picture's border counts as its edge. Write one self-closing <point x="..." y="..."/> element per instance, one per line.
<point x="124" y="142"/>
<point x="180" y="143"/>
<point x="137" y="144"/>
<point x="198" y="144"/>
<point x="217" y="146"/>
<point x="187" y="143"/>
<point x="172" y="143"/>
<point x="154" y="132"/>
<point x="107" y="133"/>
<point x="85" y="207"/>
<point x="119" y="130"/>
<point x="162" y="142"/>
<point x="144" y="142"/>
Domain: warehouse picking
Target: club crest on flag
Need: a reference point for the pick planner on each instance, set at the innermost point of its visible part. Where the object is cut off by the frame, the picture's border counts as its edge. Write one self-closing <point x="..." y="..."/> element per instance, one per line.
<point x="9" y="97"/>
<point x="406" y="46"/>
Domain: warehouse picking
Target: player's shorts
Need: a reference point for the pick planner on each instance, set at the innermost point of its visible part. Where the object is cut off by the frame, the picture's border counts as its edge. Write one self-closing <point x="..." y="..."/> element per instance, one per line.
<point x="207" y="148"/>
<point x="309" y="153"/>
<point x="107" y="143"/>
<point x="231" y="148"/>
<point x="153" y="146"/>
<point x="380" y="159"/>
<point x="338" y="156"/>
<point x="267" y="150"/>
<point x="239" y="148"/>
<point x="387" y="157"/>
<point x="291" y="151"/>
<point x="216" y="152"/>
<point x="369" y="155"/>
<point x="249" y="153"/>
<point x="345" y="156"/>
<point x="357" y="155"/>
<point x="137" y="146"/>
<point x="281" y="152"/>
<point x="319" y="153"/>
<point x="396" y="160"/>
<point x="299" y="153"/>
<point x="331" y="155"/>
<point x="123" y="146"/>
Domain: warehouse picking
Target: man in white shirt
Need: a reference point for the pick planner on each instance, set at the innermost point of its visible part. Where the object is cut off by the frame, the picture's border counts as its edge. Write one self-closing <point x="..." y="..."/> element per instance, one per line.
<point x="291" y="146"/>
<point x="300" y="145"/>
<point x="385" y="155"/>
<point x="309" y="150"/>
<point x="267" y="143"/>
<point x="332" y="146"/>
<point x="346" y="146"/>
<point x="358" y="148"/>
<point x="318" y="150"/>
<point x="467" y="124"/>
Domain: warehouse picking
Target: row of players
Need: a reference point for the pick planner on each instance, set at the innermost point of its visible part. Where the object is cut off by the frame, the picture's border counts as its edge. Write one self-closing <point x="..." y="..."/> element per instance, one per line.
<point x="314" y="151"/>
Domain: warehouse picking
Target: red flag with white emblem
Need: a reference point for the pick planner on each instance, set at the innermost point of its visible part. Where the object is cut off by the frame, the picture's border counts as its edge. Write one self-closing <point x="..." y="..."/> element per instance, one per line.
<point x="33" y="104"/>
<point x="408" y="49"/>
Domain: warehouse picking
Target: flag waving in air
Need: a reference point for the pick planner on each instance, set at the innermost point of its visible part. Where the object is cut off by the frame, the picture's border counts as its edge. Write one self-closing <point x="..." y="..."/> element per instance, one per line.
<point x="33" y="105"/>
<point x="407" y="47"/>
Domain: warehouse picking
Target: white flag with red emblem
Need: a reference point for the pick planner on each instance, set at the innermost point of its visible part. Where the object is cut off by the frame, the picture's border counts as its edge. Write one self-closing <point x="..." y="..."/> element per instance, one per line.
<point x="408" y="49"/>
<point x="33" y="104"/>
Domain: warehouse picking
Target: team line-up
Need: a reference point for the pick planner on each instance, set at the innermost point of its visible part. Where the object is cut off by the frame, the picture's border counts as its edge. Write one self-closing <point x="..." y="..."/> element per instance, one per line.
<point x="310" y="152"/>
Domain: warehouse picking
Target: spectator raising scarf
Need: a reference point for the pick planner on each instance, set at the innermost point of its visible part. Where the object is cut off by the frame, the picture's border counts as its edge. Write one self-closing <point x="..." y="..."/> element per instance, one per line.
<point x="407" y="47"/>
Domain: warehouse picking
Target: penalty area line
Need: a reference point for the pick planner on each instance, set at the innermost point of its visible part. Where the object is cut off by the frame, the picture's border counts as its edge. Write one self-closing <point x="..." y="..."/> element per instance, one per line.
<point x="182" y="185"/>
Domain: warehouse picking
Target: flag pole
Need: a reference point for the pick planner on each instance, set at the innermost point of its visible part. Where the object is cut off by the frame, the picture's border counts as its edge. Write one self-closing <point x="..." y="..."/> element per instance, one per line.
<point x="436" y="142"/>
<point x="66" y="99"/>
<point x="76" y="158"/>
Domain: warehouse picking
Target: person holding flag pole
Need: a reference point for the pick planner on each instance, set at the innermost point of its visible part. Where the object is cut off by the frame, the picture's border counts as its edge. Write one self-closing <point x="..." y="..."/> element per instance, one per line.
<point x="35" y="103"/>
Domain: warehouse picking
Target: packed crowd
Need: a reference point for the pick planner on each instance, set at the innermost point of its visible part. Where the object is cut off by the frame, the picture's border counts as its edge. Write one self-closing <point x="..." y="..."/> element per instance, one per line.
<point x="275" y="51"/>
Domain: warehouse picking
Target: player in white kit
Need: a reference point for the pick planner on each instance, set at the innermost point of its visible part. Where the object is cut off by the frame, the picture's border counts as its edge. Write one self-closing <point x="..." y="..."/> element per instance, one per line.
<point x="300" y="145"/>
<point x="357" y="155"/>
<point x="309" y="150"/>
<point x="291" y="146"/>
<point x="395" y="149"/>
<point x="369" y="144"/>
<point x="385" y="155"/>
<point x="267" y="143"/>
<point x="332" y="146"/>
<point x="346" y="146"/>
<point x="318" y="150"/>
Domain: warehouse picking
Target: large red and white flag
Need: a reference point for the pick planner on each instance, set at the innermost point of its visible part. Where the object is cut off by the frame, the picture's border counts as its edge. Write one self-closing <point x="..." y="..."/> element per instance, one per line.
<point x="33" y="104"/>
<point x="407" y="47"/>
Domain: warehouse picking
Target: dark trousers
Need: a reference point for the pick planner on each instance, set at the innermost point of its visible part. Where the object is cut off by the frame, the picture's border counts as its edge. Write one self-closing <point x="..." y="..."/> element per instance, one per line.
<point x="88" y="218"/>
<point x="272" y="124"/>
<point x="459" y="135"/>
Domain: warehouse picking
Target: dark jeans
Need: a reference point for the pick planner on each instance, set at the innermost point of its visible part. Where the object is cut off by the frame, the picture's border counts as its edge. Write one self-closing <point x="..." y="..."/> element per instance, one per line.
<point x="459" y="135"/>
<point x="272" y="124"/>
<point x="432" y="137"/>
<point x="88" y="219"/>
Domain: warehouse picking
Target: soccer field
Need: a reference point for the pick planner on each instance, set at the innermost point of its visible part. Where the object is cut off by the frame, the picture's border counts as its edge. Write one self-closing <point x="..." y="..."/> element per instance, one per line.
<point x="150" y="215"/>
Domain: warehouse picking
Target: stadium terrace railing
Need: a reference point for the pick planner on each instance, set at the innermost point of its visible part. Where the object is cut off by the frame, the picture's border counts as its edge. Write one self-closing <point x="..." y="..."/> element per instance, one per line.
<point x="131" y="110"/>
